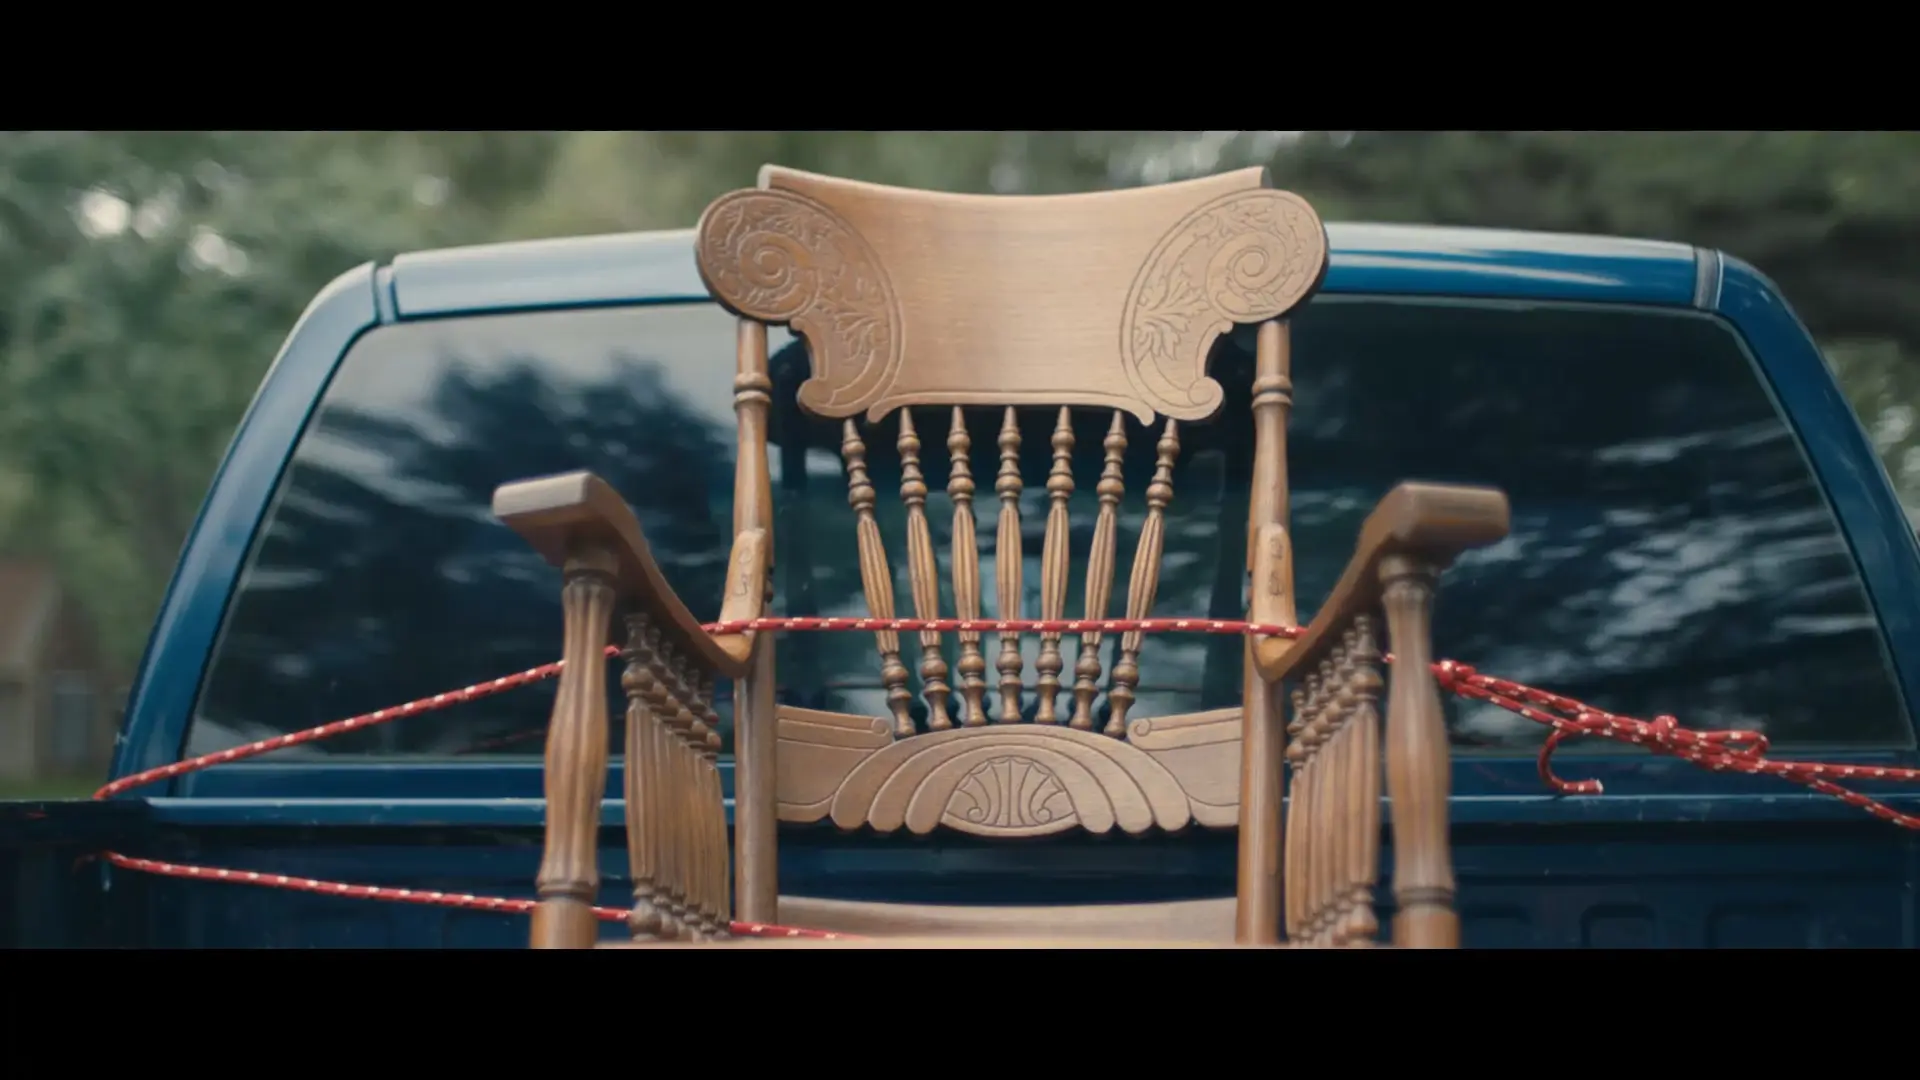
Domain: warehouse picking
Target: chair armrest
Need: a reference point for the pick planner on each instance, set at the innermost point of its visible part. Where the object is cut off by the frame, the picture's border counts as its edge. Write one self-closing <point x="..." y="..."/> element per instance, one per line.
<point x="1338" y="749"/>
<point x="562" y="516"/>
<point x="1433" y="523"/>
<point x="675" y="814"/>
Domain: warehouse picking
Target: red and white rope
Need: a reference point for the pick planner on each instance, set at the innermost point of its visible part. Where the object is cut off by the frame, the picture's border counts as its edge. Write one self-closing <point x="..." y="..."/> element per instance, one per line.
<point x="1720" y="751"/>
<point x="467" y="901"/>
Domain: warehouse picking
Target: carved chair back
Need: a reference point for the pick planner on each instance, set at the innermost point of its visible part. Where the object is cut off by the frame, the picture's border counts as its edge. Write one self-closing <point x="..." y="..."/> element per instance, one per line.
<point x="940" y="317"/>
<point x="1074" y="312"/>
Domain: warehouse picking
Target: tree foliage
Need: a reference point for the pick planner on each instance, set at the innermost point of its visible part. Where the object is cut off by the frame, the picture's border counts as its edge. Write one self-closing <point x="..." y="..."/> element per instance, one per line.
<point x="149" y="277"/>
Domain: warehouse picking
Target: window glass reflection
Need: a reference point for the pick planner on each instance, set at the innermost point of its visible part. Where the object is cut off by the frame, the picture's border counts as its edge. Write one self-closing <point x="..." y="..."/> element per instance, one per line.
<point x="1670" y="551"/>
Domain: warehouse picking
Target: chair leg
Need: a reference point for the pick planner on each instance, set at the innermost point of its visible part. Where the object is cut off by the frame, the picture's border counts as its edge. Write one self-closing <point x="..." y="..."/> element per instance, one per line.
<point x="756" y="860"/>
<point x="1262" y="749"/>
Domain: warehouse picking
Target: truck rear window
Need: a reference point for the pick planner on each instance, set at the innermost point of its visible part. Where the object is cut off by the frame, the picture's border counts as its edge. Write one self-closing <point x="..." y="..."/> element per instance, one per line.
<point x="1671" y="551"/>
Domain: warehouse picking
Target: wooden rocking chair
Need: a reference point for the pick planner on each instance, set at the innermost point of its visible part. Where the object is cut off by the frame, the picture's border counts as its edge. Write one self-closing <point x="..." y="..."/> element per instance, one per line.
<point x="982" y="307"/>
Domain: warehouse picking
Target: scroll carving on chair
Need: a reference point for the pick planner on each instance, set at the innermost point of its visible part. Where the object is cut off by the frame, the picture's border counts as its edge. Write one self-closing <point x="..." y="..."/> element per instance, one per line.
<point x="1155" y="276"/>
<point x="780" y="254"/>
<point x="1030" y="780"/>
<point x="922" y="310"/>
<point x="1243" y="258"/>
<point x="782" y="258"/>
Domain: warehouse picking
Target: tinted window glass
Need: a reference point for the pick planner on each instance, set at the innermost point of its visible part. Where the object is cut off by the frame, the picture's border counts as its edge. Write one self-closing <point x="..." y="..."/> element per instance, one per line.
<point x="381" y="575"/>
<point x="1670" y="551"/>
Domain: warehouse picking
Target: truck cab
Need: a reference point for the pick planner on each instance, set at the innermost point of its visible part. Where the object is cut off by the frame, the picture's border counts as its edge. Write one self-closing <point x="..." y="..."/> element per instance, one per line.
<point x="1700" y="529"/>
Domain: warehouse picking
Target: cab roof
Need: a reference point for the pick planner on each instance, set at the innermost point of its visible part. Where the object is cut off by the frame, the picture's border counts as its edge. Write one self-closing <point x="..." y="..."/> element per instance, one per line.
<point x="1408" y="260"/>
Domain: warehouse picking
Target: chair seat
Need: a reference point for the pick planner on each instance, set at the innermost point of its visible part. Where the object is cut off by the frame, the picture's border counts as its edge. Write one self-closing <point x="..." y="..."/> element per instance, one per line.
<point x="1184" y="924"/>
<point x="1207" y="922"/>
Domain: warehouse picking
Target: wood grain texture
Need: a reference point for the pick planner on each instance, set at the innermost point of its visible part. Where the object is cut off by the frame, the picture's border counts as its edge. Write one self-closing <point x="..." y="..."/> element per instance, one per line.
<point x="1262" y="741"/>
<point x="1009" y="780"/>
<point x="558" y="515"/>
<point x="1338" y="745"/>
<point x="966" y="571"/>
<point x="645" y="807"/>
<point x="876" y="576"/>
<point x="1436" y="521"/>
<point x="1111" y="301"/>
<point x="1106" y="527"/>
<point x="1182" y="920"/>
<point x="576" y="765"/>
<point x="1143" y="584"/>
<point x="1108" y="299"/>
<point x="756" y="830"/>
<point x="1416" y="752"/>
<point x="923" y="573"/>
<point x="1007" y="563"/>
<point x="1055" y="562"/>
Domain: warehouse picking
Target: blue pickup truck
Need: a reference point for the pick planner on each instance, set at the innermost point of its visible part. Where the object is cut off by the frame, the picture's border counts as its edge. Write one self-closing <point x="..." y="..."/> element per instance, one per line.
<point x="1700" y="528"/>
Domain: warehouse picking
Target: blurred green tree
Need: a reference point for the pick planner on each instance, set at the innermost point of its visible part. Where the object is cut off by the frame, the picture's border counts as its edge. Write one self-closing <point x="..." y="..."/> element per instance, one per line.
<point x="150" y="277"/>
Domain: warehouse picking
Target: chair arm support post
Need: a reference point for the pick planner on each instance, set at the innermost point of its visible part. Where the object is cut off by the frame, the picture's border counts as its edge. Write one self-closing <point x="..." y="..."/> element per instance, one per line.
<point x="676" y="819"/>
<point x="576" y="766"/>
